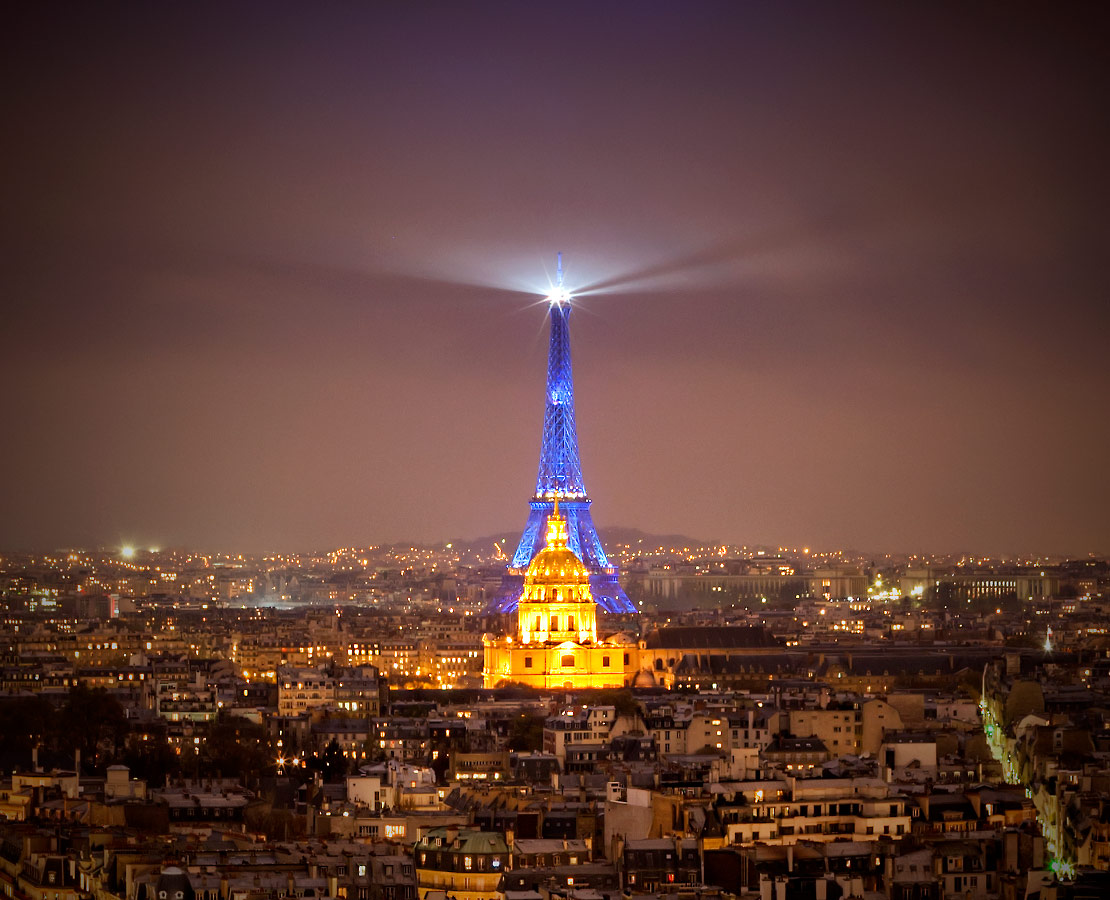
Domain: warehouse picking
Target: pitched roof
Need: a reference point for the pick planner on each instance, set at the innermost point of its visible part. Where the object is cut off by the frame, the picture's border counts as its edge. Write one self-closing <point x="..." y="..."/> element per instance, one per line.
<point x="698" y="637"/>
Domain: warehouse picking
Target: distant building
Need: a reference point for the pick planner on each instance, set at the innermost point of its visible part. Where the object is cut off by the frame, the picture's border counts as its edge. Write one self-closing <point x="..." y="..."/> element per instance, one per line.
<point x="303" y="689"/>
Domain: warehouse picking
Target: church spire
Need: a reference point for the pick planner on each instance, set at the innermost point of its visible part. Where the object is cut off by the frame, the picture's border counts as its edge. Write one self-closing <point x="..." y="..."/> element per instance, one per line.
<point x="556" y="529"/>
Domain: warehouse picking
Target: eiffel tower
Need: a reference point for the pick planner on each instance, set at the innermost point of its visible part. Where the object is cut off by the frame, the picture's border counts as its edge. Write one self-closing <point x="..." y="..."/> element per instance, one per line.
<point x="560" y="475"/>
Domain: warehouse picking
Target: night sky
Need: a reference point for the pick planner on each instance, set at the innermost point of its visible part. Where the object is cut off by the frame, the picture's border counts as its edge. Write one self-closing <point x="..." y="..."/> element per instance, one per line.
<point x="269" y="272"/>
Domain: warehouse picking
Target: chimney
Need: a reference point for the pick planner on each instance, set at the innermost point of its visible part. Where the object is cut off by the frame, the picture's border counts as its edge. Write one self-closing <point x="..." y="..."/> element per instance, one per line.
<point x="35" y="758"/>
<point x="77" y="761"/>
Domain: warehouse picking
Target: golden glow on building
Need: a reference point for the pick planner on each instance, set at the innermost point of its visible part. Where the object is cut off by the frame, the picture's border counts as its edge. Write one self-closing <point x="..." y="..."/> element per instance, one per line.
<point x="556" y="642"/>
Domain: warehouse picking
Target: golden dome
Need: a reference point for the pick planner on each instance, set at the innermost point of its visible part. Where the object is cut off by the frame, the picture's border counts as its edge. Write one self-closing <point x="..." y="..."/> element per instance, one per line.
<point x="556" y="563"/>
<point x="557" y="566"/>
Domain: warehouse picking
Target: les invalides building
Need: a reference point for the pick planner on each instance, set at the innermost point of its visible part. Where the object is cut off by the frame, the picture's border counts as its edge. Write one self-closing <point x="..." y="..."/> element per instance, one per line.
<point x="555" y="644"/>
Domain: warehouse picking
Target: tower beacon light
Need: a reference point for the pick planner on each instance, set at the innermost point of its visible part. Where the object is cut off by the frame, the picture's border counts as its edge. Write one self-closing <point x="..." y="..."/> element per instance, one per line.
<point x="559" y="295"/>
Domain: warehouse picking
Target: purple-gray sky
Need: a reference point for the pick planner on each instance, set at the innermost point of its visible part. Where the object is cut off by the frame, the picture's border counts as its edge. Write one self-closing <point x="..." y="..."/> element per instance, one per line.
<point x="268" y="271"/>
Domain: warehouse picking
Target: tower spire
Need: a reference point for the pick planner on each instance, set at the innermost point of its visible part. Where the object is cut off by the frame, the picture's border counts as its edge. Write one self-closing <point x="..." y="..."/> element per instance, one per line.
<point x="560" y="470"/>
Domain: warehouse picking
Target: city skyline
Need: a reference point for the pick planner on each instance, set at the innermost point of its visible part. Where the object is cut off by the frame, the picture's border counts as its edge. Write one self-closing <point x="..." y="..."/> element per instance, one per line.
<point x="839" y="285"/>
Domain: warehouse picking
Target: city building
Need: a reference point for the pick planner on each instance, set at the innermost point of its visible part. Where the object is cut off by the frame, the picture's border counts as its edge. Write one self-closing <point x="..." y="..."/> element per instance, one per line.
<point x="465" y="863"/>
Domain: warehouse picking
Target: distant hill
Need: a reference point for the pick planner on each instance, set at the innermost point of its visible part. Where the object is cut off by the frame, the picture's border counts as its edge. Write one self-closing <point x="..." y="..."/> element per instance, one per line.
<point x="609" y="536"/>
<point x="621" y="535"/>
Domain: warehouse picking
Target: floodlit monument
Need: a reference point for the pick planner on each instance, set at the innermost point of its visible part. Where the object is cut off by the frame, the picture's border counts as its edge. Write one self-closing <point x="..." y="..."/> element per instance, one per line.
<point x="560" y="477"/>
<point x="555" y="644"/>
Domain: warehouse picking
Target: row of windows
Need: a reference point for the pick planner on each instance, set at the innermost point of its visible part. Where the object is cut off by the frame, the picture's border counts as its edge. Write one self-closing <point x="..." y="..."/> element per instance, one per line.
<point x="447" y="862"/>
<point x="567" y="661"/>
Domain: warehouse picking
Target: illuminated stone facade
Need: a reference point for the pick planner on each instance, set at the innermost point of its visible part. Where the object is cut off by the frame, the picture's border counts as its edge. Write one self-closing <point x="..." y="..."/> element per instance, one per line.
<point x="556" y="643"/>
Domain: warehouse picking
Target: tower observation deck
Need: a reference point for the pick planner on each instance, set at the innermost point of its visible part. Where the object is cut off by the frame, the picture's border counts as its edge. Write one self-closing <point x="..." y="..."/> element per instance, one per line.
<point x="560" y="475"/>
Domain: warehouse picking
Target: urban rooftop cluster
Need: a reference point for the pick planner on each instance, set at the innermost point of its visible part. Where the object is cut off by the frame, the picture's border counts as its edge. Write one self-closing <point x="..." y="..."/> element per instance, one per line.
<point x="265" y="728"/>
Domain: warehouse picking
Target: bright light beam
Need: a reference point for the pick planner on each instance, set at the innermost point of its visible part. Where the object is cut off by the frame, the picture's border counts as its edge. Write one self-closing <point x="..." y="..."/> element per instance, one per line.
<point x="558" y="295"/>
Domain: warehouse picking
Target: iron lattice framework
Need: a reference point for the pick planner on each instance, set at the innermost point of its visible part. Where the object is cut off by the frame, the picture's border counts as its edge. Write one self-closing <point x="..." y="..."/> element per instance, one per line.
<point x="560" y="474"/>
<point x="560" y="466"/>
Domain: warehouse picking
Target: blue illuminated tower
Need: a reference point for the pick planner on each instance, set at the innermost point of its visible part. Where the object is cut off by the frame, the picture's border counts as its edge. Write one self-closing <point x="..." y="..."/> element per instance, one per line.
<point x="560" y="475"/>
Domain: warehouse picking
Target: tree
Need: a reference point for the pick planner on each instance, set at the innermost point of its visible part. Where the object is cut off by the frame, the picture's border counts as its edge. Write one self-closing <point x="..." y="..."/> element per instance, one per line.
<point x="92" y="721"/>
<point x="620" y="698"/>
<point x="333" y="764"/>
<point x="526" y="733"/>
<point x="236" y="748"/>
<point x="153" y="759"/>
<point x="25" y="723"/>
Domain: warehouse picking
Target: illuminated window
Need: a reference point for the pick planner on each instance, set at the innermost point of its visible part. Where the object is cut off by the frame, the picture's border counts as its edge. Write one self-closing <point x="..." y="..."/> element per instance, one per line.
<point x="468" y="863"/>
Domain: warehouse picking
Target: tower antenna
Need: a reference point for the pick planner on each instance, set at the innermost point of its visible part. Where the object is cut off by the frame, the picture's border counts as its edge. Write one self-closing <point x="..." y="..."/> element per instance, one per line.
<point x="559" y="269"/>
